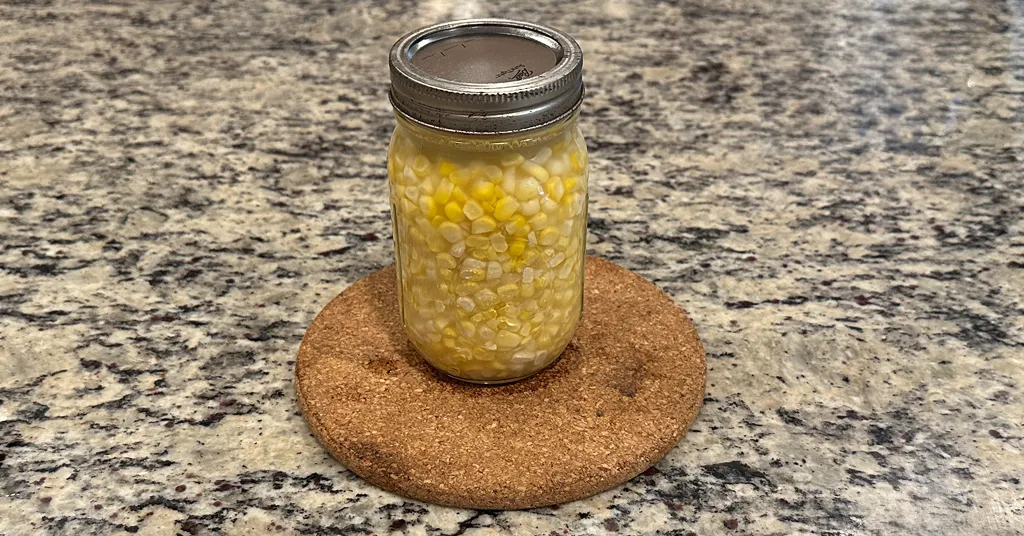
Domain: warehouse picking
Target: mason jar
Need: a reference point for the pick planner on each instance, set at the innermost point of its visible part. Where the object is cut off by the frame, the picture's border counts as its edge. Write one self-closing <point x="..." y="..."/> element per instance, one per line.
<point x="488" y="184"/>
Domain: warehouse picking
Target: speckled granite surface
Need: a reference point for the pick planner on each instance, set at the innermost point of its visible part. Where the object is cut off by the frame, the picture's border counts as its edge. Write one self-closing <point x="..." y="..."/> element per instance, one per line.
<point x="832" y="190"/>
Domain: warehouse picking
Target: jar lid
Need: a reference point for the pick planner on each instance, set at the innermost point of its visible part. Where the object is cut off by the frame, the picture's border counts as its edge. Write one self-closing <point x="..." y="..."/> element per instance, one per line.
<point x="486" y="76"/>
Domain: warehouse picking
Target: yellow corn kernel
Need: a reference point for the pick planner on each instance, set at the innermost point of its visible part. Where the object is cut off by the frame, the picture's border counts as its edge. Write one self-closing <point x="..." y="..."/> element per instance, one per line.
<point x="454" y="212"/>
<point x="472" y="209"/>
<point x="428" y="206"/>
<point x="540" y="221"/>
<point x="513" y="159"/>
<point x="527" y="188"/>
<point x="490" y="314"/>
<point x="420" y="164"/>
<point x="446" y="168"/>
<point x="508" y="266"/>
<point x="535" y="169"/>
<point x="483" y="191"/>
<point x="459" y="195"/>
<point x="448" y="342"/>
<point x="554" y="188"/>
<point x="527" y="290"/>
<point x="569" y="184"/>
<point x="450" y="231"/>
<point x="479" y="254"/>
<point x="569" y="200"/>
<point x="505" y="208"/>
<point x="517" y="247"/>
<point x="449" y="332"/>
<point x="574" y="161"/>
<point x="484" y="224"/>
<point x="443" y="192"/>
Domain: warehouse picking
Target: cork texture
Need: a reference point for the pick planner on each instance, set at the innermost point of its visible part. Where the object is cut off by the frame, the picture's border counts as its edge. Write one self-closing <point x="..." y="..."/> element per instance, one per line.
<point x="623" y="393"/>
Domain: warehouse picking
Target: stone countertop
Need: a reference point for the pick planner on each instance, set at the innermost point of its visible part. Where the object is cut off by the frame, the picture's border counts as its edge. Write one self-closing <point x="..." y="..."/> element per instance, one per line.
<point x="831" y="189"/>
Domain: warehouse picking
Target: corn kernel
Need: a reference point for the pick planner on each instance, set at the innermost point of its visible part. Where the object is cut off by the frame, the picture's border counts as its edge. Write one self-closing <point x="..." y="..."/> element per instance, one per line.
<point x="516" y="248"/>
<point x="569" y="184"/>
<point x="451" y="231"/>
<point x="461" y="176"/>
<point x="535" y="169"/>
<point x="492" y="173"/>
<point x="554" y="188"/>
<point x="443" y="192"/>
<point x="483" y="191"/>
<point x="513" y="159"/>
<point x="444" y="260"/>
<point x="548" y="236"/>
<point x="505" y="208"/>
<point x="530" y="207"/>
<point x="476" y="241"/>
<point x="540" y="221"/>
<point x="446" y="168"/>
<point x="453" y="211"/>
<point x="428" y="206"/>
<point x="420" y="164"/>
<point x="472" y="209"/>
<point x="459" y="195"/>
<point x="498" y="242"/>
<point x="484" y="224"/>
<point x="527" y="189"/>
<point x="506" y="339"/>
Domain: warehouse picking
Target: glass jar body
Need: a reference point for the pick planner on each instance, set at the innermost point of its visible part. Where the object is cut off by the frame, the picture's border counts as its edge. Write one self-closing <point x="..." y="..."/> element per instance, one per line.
<point x="490" y="237"/>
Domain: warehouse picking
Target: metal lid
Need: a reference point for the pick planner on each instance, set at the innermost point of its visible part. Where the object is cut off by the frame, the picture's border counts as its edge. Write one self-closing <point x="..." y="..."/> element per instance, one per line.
<point x="486" y="76"/>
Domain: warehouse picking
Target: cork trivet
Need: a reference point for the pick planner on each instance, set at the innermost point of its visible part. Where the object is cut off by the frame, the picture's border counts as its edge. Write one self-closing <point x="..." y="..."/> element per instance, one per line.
<point x="623" y="393"/>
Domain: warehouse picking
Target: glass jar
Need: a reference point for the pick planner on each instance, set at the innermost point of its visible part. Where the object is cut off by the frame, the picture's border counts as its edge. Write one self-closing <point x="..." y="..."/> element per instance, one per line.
<point x="488" y="184"/>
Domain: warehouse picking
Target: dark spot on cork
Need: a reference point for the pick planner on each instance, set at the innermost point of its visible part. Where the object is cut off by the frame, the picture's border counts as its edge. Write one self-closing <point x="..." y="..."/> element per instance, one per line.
<point x="180" y="488"/>
<point x="751" y="258"/>
<point x="611" y="525"/>
<point x="90" y="364"/>
<point x="46" y="500"/>
<point x="398" y="524"/>
<point x="731" y="524"/>
<point x="132" y="530"/>
<point x="97" y="507"/>
<point x="862" y="300"/>
<point x="995" y="434"/>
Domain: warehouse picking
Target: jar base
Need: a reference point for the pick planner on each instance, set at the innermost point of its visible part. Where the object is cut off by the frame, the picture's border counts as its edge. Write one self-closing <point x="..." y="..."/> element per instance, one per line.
<point x="496" y="382"/>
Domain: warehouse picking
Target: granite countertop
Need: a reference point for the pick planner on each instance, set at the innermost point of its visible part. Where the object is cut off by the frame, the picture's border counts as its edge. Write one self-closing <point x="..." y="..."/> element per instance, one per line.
<point x="832" y="190"/>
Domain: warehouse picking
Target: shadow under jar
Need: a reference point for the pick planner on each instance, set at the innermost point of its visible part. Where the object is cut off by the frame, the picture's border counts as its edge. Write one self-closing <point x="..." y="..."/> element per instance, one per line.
<point x="488" y="183"/>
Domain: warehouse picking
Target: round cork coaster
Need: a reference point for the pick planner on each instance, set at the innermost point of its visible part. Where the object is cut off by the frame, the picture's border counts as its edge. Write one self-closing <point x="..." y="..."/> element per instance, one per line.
<point x="623" y="393"/>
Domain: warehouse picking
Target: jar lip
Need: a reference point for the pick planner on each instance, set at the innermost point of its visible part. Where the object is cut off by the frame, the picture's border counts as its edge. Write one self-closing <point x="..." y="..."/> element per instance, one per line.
<point x="496" y="133"/>
<point x="437" y="100"/>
